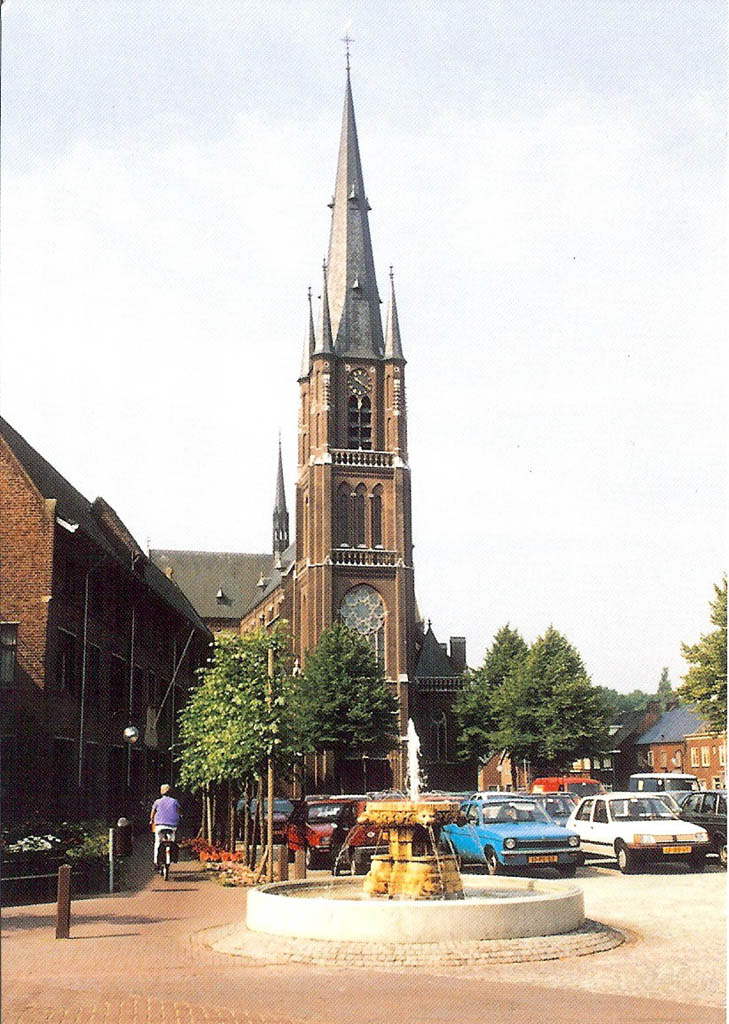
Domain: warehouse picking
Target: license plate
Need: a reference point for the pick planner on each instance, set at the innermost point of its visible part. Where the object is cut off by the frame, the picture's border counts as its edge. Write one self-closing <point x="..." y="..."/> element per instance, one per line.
<point x="546" y="859"/>
<point x="676" y="849"/>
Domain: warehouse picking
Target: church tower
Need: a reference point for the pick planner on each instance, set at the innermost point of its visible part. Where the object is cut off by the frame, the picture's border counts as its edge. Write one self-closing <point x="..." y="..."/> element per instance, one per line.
<point x="354" y="551"/>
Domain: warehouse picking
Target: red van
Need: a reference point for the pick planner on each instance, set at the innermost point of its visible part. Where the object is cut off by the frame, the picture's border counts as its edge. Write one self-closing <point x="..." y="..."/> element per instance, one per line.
<point x="578" y="785"/>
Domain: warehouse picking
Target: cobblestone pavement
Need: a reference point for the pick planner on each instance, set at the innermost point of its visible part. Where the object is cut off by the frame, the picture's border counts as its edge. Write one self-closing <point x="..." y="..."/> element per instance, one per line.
<point x="141" y="957"/>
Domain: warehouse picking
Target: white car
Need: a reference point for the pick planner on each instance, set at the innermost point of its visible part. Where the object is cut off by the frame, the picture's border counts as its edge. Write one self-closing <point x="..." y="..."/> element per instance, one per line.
<point x="635" y="828"/>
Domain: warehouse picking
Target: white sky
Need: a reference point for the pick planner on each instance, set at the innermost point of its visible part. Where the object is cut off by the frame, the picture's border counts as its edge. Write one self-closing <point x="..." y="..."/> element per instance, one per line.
<point x="548" y="180"/>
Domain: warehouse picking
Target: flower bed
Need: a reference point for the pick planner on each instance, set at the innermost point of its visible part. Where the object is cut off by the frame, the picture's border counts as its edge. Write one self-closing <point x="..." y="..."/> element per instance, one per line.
<point x="230" y="868"/>
<point x="32" y="853"/>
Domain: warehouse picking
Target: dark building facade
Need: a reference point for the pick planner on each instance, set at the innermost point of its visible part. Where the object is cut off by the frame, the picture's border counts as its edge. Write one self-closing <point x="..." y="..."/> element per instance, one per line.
<point x="93" y="637"/>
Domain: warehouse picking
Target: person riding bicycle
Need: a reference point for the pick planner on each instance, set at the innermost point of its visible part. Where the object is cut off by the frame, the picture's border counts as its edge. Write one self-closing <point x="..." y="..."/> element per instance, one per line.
<point x="165" y="816"/>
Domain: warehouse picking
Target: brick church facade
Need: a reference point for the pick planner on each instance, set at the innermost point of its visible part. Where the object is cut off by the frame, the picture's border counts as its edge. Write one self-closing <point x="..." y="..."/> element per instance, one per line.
<point x="352" y="558"/>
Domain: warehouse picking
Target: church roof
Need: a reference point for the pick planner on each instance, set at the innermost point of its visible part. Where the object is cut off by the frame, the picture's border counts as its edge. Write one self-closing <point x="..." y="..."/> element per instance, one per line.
<point x="354" y="301"/>
<point x="433" y="662"/>
<point x="224" y="584"/>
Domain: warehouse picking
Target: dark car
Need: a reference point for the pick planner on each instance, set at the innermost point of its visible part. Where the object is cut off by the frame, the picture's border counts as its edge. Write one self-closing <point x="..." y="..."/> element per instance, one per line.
<point x="707" y="809"/>
<point x="321" y="825"/>
<point x="282" y="810"/>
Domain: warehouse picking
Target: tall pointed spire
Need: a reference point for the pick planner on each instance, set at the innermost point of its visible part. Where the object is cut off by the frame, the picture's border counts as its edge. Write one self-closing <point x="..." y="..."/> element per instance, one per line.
<point x="393" y="345"/>
<point x="323" y="343"/>
<point x="280" y="515"/>
<point x="309" y="342"/>
<point x="355" y="301"/>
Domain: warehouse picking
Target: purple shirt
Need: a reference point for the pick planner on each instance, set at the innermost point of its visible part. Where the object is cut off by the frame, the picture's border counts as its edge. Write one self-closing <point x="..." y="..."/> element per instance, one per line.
<point x="166" y="811"/>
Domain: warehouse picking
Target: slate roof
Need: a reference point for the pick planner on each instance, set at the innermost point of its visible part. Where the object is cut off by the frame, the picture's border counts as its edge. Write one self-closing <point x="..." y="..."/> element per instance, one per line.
<point x="433" y="662"/>
<point x="673" y="726"/>
<point x="628" y="722"/>
<point x="98" y="521"/>
<point x="201" y="575"/>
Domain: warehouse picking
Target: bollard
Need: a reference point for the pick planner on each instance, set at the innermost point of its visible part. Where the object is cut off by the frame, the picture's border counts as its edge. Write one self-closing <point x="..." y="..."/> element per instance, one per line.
<point x="300" y="864"/>
<point x="63" y="908"/>
<point x="283" y="862"/>
<point x="111" y="859"/>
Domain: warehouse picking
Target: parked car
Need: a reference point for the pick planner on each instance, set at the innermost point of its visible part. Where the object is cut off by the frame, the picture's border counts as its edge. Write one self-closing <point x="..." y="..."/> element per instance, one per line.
<point x="510" y="832"/>
<point x="282" y="809"/>
<point x="659" y="782"/>
<point x="636" y="828"/>
<point x="558" y="806"/>
<point x="708" y="809"/>
<point x="580" y="785"/>
<point x="320" y="825"/>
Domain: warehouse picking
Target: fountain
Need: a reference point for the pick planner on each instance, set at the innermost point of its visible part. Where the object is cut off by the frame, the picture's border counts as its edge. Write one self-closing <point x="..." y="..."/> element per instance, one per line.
<point x="413" y="893"/>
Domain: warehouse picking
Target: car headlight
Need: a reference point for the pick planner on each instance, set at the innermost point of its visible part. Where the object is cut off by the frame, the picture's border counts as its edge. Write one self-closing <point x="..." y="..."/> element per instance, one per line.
<point x="643" y="839"/>
<point x="510" y="844"/>
<point x="702" y="837"/>
<point x="574" y="840"/>
<point x="325" y="841"/>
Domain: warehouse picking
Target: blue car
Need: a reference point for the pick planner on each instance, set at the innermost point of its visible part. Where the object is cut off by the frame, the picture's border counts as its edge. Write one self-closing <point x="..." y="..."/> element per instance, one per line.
<point x="511" y="832"/>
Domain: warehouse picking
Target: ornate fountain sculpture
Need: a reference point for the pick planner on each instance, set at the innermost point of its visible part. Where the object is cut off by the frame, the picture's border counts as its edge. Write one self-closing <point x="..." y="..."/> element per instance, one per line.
<point x="414" y="867"/>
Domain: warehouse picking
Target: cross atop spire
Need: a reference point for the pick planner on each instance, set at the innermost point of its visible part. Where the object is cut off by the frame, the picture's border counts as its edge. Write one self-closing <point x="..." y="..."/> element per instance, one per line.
<point x="347" y="39"/>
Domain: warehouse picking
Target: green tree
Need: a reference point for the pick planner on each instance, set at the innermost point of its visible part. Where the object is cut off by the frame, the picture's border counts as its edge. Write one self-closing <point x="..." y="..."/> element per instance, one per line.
<point x="547" y="711"/>
<point x="236" y="713"/>
<point x="705" y="682"/>
<point x="665" y="690"/>
<point x="473" y="708"/>
<point x="617" y="703"/>
<point x="344" y="704"/>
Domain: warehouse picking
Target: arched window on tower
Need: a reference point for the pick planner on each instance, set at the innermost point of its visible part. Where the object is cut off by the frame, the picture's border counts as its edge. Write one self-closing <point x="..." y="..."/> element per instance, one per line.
<point x="377" y="517"/>
<point x="439" y="737"/>
<point x="363" y="610"/>
<point x="360" y="422"/>
<point x="359" y="516"/>
<point x="342" y="520"/>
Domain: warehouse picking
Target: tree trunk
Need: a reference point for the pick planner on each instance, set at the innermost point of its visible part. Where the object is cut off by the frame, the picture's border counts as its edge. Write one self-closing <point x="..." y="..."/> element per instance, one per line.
<point x="208" y="814"/>
<point x="231" y="818"/>
<point x="246" y="820"/>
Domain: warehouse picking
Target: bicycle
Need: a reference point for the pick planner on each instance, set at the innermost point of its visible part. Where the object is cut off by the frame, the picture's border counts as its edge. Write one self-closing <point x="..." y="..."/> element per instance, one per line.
<point x="167" y="852"/>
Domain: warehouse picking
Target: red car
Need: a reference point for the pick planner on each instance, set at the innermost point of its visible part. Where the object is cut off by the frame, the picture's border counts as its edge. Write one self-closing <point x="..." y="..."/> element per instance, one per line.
<point x="321" y="825"/>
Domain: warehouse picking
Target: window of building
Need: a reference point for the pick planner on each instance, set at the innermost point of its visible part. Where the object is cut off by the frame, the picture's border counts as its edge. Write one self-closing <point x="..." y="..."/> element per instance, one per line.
<point x="705" y="759"/>
<point x="363" y="610"/>
<point x="342" y="531"/>
<point x="678" y="759"/>
<point x="439" y="737"/>
<point x="8" y="652"/>
<point x="722" y="754"/>
<point x="694" y="757"/>
<point x="664" y="759"/>
<point x="359" y="516"/>
<point x="118" y="683"/>
<point x="650" y="756"/>
<point x="66" y="661"/>
<point x="93" y="675"/>
<point x="377" y="517"/>
<point x="360" y="422"/>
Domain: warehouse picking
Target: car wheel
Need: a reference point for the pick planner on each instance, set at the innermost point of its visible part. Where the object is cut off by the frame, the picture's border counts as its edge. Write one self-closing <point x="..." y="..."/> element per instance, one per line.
<point x="492" y="862"/>
<point x="697" y="862"/>
<point x="567" y="870"/>
<point x="721" y="850"/>
<point x="625" y="859"/>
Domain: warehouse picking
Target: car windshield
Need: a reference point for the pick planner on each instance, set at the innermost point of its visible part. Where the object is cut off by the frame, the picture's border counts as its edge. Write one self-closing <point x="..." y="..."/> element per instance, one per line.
<point x="324" y="812"/>
<point x="639" y="808"/>
<point x="514" y="810"/>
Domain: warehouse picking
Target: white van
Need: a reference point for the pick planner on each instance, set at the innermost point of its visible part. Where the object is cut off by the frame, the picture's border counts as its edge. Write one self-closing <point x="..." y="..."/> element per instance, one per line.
<point x="662" y="782"/>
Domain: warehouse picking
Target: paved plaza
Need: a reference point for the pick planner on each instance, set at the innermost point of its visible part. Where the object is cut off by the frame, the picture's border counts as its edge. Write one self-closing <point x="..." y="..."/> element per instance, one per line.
<point x="145" y="956"/>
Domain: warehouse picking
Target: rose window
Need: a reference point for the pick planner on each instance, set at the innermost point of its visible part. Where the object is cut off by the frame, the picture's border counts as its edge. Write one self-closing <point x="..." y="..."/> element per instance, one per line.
<point x="363" y="610"/>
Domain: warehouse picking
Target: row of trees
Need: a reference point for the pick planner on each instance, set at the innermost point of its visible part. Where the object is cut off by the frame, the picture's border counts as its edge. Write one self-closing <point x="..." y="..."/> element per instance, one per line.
<point x="250" y="706"/>
<point x="537" y="703"/>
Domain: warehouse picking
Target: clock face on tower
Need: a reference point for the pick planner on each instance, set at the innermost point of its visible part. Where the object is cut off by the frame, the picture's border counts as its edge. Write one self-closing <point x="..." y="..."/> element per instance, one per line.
<point x="359" y="383"/>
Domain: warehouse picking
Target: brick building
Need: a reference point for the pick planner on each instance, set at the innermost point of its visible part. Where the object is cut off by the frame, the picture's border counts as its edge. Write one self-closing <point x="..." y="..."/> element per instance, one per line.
<point x="352" y="558"/>
<point x="91" y="632"/>
<point x="680" y="741"/>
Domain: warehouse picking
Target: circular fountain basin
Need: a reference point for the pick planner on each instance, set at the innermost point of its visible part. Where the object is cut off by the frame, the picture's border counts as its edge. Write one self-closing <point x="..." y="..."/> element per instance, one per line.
<point x="495" y="908"/>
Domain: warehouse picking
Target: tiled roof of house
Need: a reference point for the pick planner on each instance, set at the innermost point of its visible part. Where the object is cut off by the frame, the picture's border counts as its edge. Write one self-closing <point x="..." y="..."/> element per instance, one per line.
<point x="673" y="726"/>
<point x="98" y="521"/>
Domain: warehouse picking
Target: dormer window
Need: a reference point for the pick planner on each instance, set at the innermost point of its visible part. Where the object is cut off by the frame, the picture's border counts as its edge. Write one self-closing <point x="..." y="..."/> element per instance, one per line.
<point x="220" y="596"/>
